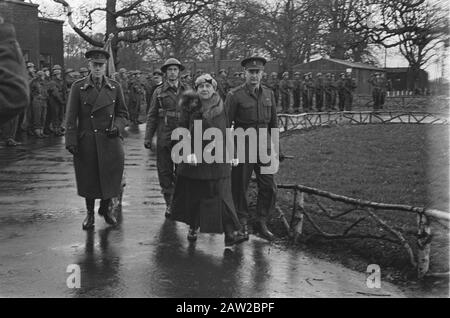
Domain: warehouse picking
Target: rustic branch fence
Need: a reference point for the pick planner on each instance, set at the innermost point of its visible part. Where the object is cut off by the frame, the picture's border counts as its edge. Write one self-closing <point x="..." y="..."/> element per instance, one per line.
<point x="367" y="209"/>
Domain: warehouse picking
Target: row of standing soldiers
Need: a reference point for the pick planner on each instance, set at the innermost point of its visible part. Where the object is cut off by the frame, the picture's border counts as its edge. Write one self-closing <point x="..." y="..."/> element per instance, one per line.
<point x="45" y="113"/>
<point x="302" y="93"/>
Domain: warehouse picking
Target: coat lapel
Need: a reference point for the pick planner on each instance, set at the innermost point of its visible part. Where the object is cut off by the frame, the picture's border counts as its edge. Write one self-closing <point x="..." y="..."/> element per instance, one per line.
<point x="104" y="97"/>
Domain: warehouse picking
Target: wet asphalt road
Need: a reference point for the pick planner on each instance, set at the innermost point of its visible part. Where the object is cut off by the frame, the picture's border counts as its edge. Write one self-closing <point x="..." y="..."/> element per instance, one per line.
<point x="146" y="256"/>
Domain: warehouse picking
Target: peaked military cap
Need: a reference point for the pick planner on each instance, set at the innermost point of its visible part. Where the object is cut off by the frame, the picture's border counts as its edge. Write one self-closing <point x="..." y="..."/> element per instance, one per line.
<point x="254" y="63"/>
<point x="97" y="55"/>
<point x="84" y="70"/>
<point x="30" y="64"/>
<point x="56" y="67"/>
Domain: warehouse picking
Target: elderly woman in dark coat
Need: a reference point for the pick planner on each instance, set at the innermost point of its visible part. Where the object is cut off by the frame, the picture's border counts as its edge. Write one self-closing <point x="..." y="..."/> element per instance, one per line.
<point x="96" y="114"/>
<point x="202" y="197"/>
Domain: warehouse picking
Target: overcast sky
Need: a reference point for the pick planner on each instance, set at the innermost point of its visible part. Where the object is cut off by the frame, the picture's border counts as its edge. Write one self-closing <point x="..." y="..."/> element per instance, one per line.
<point x="394" y="58"/>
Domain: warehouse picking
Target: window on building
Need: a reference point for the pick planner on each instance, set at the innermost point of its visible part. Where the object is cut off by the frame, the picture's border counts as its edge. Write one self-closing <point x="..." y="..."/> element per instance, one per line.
<point x="45" y="60"/>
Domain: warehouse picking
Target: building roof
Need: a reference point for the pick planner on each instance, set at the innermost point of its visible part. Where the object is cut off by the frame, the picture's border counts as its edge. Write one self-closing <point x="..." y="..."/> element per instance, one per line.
<point x="355" y="64"/>
<point x="348" y="64"/>
<point x="51" y="20"/>
<point x="21" y="2"/>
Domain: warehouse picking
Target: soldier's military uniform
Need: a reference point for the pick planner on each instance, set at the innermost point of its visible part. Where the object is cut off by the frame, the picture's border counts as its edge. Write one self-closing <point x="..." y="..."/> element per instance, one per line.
<point x="96" y="114"/>
<point x="124" y="83"/>
<point x="56" y="102"/>
<point x="379" y="87"/>
<point x="136" y="97"/>
<point x="328" y="90"/>
<point x="162" y="119"/>
<point x="286" y="99"/>
<point x="274" y="84"/>
<point x="252" y="109"/>
<point x="349" y="87"/>
<point x="308" y="92"/>
<point x="318" y="90"/>
<point x="39" y="96"/>
<point x="334" y="92"/>
<point x="297" y="91"/>
<point x="341" y="91"/>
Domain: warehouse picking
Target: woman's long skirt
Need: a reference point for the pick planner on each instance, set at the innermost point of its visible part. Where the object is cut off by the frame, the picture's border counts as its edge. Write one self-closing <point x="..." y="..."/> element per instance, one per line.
<point x="205" y="204"/>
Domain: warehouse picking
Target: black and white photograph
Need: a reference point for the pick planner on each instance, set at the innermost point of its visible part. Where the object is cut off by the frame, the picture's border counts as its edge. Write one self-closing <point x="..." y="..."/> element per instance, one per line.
<point x="224" y="154"/>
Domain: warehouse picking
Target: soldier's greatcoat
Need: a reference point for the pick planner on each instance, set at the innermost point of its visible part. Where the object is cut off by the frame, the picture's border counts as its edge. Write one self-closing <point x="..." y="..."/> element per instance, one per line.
<point x="90" y="114"/>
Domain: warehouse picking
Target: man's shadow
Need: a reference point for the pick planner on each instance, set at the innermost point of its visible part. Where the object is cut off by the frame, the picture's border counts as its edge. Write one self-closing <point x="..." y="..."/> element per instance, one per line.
<point x="100" y="275"/>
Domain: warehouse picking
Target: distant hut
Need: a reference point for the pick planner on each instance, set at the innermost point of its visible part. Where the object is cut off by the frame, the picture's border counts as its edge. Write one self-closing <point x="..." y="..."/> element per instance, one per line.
<point x="360" y="71"/>
<point x="403" y="79"/>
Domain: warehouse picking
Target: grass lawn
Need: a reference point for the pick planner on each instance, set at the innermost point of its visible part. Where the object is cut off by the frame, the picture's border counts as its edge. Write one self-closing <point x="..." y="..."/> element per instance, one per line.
<point x="397" y="163"/>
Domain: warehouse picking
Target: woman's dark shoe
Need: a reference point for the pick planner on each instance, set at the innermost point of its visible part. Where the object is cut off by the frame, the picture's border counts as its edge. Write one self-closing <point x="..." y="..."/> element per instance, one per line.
<point x="89" y="221"/>
<point x="192" y="235"/>
<point x="234" y="239"/>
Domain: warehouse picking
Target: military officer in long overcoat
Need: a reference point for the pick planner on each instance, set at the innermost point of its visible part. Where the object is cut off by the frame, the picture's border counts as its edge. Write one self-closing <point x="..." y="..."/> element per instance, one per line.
<point x="96" y="114"/>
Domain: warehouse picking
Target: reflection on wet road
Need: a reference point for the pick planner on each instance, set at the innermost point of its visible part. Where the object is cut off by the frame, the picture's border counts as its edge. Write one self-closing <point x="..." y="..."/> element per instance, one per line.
<point x="146" y="256"/>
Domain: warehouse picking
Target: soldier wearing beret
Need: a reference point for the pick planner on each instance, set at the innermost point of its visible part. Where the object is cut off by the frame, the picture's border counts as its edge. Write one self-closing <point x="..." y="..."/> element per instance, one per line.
<point x="96" y="114"/>
<point x="252" y="105"/>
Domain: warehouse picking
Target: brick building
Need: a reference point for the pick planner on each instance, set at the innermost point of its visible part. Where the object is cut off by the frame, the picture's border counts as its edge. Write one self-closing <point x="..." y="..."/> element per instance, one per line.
<point x="41" y="39"/>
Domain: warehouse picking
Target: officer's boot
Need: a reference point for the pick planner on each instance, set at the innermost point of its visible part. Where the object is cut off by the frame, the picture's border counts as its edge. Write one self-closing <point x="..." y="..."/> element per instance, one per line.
<point x="107" y="213"/>
<point x="264" y="231"/>
<point x="89" y="221"/>
<point x="244" y="230"/>
<point x="168" y="199"/>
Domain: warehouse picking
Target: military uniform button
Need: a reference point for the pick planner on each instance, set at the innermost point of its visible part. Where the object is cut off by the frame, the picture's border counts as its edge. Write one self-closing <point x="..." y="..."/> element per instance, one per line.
<point x="95" y="130"/>
<point x="92" y="116"/>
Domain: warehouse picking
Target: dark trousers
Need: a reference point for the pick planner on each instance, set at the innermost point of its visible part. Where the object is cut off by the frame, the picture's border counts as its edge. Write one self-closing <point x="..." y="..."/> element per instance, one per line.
<point x="56" y="113"/>
<point x="166" y="168"/>
<point x="307" y="101"/>
<point x="297" y="100"/>
<point x="267" y="189"/>
<point x="39" y="111"/>
<point x="328" y="101"/>
<point x="319" y="100"/>
<point x="341" y="101"/>
<point x="9" y="129"/>
<point x="378" y="99"/>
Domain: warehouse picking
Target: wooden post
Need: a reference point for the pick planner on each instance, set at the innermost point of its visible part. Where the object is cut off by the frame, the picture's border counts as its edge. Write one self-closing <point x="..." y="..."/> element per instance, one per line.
<point x="424" y="245"/>
<point x="297" y="217"/>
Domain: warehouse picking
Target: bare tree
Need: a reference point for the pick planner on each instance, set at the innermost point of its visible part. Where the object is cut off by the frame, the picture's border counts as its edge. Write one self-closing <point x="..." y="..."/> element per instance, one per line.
<point x="144" y="14"/>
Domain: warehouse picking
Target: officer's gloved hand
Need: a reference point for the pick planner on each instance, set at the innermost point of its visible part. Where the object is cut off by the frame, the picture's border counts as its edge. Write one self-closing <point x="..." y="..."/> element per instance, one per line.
<point x="149" y="145"/>
<point x="72" y="149"/>
<point x="114" y="132"/>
